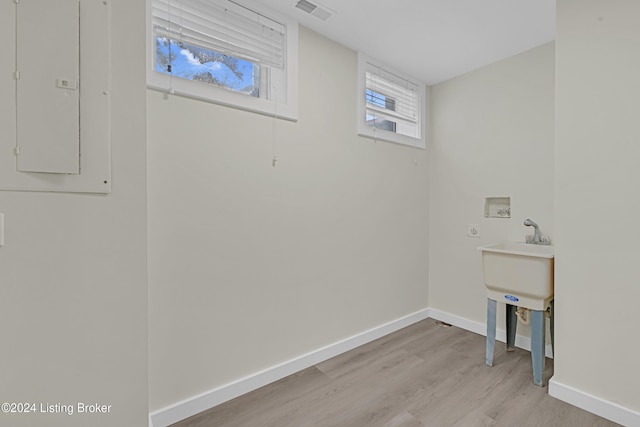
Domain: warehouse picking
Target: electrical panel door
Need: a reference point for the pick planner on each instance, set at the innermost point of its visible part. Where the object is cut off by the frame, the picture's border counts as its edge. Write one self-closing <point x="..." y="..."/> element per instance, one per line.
<point x="48" y="86"/>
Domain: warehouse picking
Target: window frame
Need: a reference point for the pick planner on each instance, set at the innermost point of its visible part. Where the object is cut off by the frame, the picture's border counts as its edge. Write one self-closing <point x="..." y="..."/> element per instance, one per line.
<point x="280" y="84"/>
<point x="367" y="131"/>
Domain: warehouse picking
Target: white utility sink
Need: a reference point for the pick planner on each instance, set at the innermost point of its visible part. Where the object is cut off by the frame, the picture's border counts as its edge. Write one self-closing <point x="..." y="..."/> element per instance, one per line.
<point x="519" y="274"/>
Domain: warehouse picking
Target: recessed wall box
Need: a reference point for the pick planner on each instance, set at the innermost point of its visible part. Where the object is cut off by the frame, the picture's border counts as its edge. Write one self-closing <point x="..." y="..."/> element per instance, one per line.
<point x="497" y="207"/>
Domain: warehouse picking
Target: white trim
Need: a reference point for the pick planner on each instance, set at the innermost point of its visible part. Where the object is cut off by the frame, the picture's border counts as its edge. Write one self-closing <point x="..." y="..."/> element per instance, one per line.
<point x="604" y="408"/>
<point x="481" y="329"/>
<point x="189" y="407"/>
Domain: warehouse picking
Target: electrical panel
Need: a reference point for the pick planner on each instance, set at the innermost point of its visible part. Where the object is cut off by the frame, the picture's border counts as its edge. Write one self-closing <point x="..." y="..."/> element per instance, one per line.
<point x="55" y="96"/>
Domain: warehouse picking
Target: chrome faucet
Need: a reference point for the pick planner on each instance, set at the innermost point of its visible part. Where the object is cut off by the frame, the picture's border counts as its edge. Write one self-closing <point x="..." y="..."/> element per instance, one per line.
<point x="536" y="234"/>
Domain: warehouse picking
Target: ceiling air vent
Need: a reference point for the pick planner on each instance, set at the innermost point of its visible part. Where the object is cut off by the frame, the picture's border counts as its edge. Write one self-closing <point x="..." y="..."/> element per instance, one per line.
<point x="315" y="9"/>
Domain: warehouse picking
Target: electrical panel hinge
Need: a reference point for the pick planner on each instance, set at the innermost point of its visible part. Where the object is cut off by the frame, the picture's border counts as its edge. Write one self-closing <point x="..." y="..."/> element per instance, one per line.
<point x="16" y="75"/>
<point x="17" y="151"/>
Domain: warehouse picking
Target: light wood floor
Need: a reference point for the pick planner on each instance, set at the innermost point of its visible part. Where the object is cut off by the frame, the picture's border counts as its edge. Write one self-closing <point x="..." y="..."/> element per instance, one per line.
<point x="423" y="375"/>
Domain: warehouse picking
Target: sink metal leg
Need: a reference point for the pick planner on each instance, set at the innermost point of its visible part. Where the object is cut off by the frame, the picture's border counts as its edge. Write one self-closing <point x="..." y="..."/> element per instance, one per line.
<point x="537" y="345"/>
<point x="512" y="324"/>
<point x="491" y="330"/>
<point x="551" y="326"/>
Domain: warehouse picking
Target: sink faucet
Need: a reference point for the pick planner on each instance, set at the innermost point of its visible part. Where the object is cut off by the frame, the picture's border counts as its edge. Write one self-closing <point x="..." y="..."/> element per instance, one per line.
<point x="536" y="233"/>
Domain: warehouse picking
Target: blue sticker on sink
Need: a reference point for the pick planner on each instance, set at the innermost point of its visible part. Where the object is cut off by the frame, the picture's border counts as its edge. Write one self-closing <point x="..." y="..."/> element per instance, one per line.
<point x="511" y="298"/>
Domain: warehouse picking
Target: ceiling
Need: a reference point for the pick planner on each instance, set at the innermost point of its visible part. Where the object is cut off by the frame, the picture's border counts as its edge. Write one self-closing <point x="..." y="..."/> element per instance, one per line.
<point x="432" y="40"/>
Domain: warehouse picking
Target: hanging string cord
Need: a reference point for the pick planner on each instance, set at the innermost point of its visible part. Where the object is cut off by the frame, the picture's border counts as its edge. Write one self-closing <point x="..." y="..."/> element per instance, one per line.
<point x="375" y="117"/>
<point x="273" y="127"/>
<point x="170" y="66"/>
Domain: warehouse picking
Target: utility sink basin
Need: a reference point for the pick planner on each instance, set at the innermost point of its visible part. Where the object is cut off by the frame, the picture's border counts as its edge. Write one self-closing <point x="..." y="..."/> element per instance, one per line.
<point x="519" y="274"/>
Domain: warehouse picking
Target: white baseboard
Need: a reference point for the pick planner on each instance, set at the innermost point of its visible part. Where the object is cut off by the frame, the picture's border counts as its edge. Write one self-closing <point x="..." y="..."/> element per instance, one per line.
<point x="609" y="410"/>
<point x="189" y="407"/>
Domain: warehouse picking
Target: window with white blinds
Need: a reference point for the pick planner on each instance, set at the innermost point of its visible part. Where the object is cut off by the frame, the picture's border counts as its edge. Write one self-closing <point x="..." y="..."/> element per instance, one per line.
<point x="232" y="52"/>
<point x="391" y="107"/>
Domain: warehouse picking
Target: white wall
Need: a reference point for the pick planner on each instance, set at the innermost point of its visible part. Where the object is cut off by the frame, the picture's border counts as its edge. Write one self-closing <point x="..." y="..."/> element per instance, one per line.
<point x="73" y="268"/>
<point x="597" y="203"/>
<point x="252" y="265"/>
<point x="492" y="136"/>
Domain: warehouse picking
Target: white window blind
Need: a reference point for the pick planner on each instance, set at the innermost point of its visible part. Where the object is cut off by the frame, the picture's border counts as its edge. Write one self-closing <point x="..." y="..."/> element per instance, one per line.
<point x="391" y="98"/>
<point x="228" y="28"/>
<point x="404" y="96"/>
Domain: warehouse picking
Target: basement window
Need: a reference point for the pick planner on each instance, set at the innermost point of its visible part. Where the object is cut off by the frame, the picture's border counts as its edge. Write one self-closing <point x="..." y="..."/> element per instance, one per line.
<point x="391" y="106"/>
<point x="191" y="62"/>
<point x="236" y="54"/>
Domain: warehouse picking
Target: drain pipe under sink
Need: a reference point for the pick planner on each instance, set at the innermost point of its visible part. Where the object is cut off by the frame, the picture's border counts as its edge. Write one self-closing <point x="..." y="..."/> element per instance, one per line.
<point x="524" y="315"/>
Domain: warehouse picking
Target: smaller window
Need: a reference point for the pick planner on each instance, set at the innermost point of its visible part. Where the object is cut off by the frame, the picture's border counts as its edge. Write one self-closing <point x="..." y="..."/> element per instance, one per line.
<point x="391" y="107"/>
